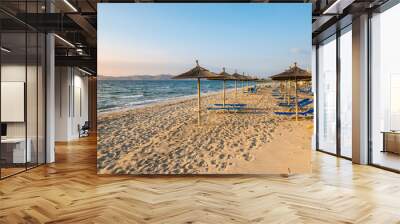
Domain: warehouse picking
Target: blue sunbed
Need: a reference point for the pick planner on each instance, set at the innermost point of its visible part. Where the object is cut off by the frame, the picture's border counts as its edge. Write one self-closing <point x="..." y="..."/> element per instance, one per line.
<point x="289" y="113"/>
<point x="225" y="108"/>
<point x="301" y="103"/>
<point x="229" y="105"/>
<point x="281" y="98"/>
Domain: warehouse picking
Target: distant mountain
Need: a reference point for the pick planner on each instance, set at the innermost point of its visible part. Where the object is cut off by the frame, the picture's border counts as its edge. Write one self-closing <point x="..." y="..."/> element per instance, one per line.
<point x="136" y="77"/>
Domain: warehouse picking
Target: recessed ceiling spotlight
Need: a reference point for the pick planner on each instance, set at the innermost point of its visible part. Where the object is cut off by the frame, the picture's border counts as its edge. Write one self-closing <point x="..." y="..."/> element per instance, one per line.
<point x="64" y="40"/>
<point x="5" y="50"/>
<point x="70" y="5"/>
<point x="84" y="71"/>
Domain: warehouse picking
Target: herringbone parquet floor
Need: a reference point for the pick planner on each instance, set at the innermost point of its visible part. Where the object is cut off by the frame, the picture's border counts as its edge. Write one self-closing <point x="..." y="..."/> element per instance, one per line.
<point x="69" y="191"/>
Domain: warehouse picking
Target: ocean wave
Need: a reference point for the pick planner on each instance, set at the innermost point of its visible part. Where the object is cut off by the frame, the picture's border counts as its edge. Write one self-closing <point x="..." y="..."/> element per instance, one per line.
<point x="129" y="94"/>
<point x="129" y="97"/>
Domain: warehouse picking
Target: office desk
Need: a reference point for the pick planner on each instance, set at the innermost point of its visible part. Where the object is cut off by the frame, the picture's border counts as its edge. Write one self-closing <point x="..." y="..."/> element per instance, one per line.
<point x="391" y="141"/>
<point x="13" y="150"/>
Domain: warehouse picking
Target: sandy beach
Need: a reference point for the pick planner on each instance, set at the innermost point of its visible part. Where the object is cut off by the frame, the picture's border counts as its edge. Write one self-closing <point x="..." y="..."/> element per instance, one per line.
<point x="164" y="138"/>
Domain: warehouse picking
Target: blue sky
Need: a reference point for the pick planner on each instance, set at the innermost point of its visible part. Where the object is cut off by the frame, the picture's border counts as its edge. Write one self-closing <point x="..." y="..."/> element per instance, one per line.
<point x="150" y="39"/>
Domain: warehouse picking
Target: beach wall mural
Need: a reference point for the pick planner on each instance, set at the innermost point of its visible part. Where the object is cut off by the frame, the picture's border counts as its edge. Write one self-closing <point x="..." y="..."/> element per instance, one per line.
<point x="204" y="89"/>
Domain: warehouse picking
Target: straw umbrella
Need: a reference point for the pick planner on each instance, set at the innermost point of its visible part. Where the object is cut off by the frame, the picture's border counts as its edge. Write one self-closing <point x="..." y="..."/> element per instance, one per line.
<point x="293" y="73"/>
<point x="197" y="73"/>
<point x="237" y="77"/>
<point x="244" y="78"/>
<point x="223" y="76"/>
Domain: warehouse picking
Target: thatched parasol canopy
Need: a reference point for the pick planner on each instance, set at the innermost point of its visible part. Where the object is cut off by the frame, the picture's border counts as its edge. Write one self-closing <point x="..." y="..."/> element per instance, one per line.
<point x="223" y="76"/>
<point x="196" y="73"/>
<point x="238" y="77"/>
<point x="293" y="73"/>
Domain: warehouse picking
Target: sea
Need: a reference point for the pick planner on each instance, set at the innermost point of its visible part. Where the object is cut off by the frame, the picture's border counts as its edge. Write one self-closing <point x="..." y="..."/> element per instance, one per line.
<point x="122" y="94"/>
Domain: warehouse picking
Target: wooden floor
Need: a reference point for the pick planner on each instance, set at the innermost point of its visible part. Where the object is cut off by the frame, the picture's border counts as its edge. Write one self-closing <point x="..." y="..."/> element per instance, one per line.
<point x="69" y="191"/>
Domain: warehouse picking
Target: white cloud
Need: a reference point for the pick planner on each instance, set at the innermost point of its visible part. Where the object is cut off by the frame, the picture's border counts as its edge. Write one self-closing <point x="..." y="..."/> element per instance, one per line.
<point x="296" y="50"/>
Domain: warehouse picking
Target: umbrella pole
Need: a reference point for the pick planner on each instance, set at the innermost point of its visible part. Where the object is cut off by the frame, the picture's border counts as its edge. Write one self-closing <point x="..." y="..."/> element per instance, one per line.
<point x="297" y="106"/>
<point x="235" y="88"/>
<point x="287" y="91"/>
<point x="284" y="85"/>
<point x="223" y="93"/>
<point x="198" y="102"/>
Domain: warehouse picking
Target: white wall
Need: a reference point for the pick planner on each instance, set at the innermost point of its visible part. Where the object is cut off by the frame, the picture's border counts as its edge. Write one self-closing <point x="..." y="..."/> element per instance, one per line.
<point x="16" y="73"/>
<point x="62" y="82"/>
<point x="71" y="87"/>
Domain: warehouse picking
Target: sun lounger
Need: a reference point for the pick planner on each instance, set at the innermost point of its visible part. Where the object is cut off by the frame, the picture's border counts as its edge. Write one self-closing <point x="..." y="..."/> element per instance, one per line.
<point x="307" y="113"/>
<point x="284" y="98"/>
<point x="305" y="90"/>
<point x="229" y="105"/>
<point x="229" y="109"/>
<point x="301" y="103"/>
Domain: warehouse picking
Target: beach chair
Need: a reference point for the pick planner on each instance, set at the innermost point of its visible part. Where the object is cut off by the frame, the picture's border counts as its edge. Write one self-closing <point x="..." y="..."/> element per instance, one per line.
<point x="305" y="103"/>
<point x="226" y="109"/>
<point x="284" y="98"/>
<point x="301" y="103"/>
<point x="305" y="90"/>
<point x="229" y="105"/>
<point x="307" y="113"/>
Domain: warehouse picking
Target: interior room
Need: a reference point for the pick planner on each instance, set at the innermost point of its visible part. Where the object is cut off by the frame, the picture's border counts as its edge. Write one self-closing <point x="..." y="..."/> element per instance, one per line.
<point x="22" y="102"/>
<point x="385" y="89"/>
<point x="49" y="151"/>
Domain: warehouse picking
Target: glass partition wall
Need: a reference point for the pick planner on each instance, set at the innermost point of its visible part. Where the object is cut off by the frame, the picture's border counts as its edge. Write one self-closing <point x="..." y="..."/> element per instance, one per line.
<point x="334" y="91"/>
<point x="345" y="88"/>
<point x="22" y="77"/>
<point x="334" y="94"/>
<point x="327" y="95"/>
<point x="385" y="89"/>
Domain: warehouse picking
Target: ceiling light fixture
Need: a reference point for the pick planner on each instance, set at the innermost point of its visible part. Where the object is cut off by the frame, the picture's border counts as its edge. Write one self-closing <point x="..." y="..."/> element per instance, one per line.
<point x="5" y="50"/>
<point x="64" y="40"/>
<point x="70" y="5"/>
<point x="84" y="71"/>
<point x="337" y="7"/>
